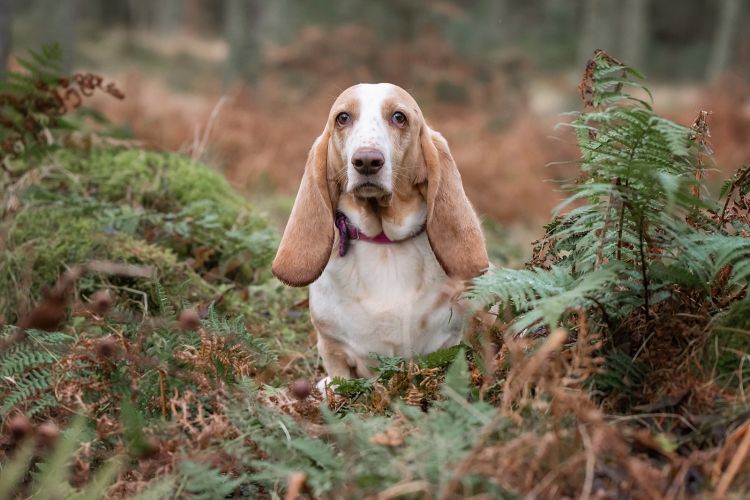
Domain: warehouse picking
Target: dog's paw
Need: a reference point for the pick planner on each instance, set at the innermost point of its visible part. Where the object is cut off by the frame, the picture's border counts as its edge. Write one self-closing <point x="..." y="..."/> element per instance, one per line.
<point x="322" y="384"/>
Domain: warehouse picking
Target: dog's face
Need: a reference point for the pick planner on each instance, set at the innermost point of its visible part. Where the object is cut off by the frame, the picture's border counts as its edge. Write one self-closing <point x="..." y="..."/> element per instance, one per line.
<point x="376" y="145"/>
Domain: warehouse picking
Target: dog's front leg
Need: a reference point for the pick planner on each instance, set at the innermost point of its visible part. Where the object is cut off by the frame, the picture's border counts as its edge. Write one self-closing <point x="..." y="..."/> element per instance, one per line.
<point x="335" y="360"/>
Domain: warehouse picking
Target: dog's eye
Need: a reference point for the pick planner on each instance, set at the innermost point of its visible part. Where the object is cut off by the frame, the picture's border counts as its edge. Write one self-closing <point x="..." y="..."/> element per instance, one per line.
<point x="398" y="119"/>
<point x="343" y="119"/>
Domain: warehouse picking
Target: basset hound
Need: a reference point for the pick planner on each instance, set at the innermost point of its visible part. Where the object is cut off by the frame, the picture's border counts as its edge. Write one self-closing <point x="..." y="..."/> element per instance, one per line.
<point x="383" y="230"/>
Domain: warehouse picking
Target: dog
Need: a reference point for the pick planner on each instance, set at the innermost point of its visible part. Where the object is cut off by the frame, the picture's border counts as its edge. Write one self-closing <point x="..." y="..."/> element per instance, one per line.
<point x="381" y="228"/>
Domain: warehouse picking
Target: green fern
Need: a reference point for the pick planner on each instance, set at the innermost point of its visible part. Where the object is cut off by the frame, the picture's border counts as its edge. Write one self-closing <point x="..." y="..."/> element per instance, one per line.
<point x="166" y="308"/>
<point x="26" y="376"/>
<point x="544" y="295"/>
<point x="264" y="353"/>
<point x="620" y="373"/>
<point x="19" y="359"/>
<point x="351" y="387"/>
<point x="205" y="482"/>
<point x="352" y="463"/>
<point x="51" y="477"/>
<point x="33" y="110"/>
<point x="629" y="239"/>
<point x="25" y="387"/>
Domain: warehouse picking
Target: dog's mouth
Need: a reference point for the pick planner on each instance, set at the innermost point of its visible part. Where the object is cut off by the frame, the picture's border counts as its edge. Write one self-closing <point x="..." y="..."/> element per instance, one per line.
<point x="369" y="189"/>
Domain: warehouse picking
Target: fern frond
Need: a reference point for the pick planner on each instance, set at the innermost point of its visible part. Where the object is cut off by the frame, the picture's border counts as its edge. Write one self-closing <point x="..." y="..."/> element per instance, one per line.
<point x="205" y="482"/>
<point x="620" y="373"/>
<point x="20" y="359"/>
<point x="263" y="351"/>
<point x="166" y="308"/>
<point x="707" y="255"/>
<point x="24" y="388"/>
<point x="543" y="295"/>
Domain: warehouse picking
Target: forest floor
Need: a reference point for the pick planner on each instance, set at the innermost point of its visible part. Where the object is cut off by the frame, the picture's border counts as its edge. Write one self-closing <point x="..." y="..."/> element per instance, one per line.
<point x="141" y="318"/>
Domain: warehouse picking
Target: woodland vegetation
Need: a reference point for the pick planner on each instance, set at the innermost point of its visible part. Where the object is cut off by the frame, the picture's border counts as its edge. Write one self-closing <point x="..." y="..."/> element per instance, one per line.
<point x="147" y="352"/>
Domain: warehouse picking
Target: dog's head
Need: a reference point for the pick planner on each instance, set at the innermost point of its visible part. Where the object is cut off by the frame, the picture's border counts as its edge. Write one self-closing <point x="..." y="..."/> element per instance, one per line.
<point x="376" y="145"/>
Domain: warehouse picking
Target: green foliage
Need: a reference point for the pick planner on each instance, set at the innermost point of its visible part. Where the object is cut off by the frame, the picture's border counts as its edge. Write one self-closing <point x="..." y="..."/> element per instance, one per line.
<point x="204" y="482"/>
<point x="33" y="103"/>
<point x="166" y="308"/>
<point x="543" y="294"/>
<point x="133" y="422"/>
<point x="388" y="366"/>
<point x="185" y="402"/>
<point x="50" y="480"/>
<point x="237" y="328"/>
<point x="355" y="462"/>
<point x="131" y="206"/>
<point x="26" y="370"/>
<point x="442" y="358"/>
<point x="351" y="387"/>
<point x="31" y="369"/>
<point x="30" y="106"/>
<point x="621" y="373"/>
<point x="638" y="233"/>
<point x="457" y="376"/>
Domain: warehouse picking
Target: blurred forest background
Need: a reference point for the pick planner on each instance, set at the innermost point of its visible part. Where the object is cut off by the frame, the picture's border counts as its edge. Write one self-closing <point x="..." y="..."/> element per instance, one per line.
<point x="246" y="84"/>
<point x="194" y="367"/>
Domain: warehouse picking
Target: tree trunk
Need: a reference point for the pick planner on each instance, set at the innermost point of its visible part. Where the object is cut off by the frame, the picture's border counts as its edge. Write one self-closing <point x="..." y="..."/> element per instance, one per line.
<point x="596" y="31"/>
<point x="169" y="16"/>
<point x="58" y="19"/>
<point x="498" y="18"/>
<point x="141" y="13"/>
<point x="241" y="24"/>
<point x="6" y="18"/>
<point x="634" y="32"/>
<point x="726" y="29"/>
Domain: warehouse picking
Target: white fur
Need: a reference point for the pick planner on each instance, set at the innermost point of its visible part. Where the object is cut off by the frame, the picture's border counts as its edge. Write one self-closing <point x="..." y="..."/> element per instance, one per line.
<point x="387" y="299"/>
<point x="370" y="130"/>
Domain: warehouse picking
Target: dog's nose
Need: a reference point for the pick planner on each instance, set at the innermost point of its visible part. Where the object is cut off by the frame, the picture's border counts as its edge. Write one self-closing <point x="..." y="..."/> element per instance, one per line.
<point x="368" y="161"/>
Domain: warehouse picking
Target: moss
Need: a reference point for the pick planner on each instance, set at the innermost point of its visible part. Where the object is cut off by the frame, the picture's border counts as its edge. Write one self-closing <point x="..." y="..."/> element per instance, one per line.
<point x="128" y="205"/>
<point x="153" y="180"/>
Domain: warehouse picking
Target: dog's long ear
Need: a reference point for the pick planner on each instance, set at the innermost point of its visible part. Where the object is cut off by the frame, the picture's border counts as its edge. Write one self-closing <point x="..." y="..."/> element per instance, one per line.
<point x="452" y="225"/>
<point x="308" y="237"/>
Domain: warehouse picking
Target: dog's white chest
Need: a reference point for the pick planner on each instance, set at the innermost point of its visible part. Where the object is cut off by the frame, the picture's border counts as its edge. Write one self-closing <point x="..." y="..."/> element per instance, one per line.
<point x="390" y="299"/>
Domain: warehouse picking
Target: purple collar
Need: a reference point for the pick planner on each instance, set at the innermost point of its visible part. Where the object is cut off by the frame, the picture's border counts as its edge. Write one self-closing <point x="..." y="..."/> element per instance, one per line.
<point x="348" y="232"/>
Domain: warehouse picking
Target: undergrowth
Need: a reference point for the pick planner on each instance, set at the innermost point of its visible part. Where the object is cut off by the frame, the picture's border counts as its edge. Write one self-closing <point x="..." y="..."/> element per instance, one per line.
<point x="143" y="320"/>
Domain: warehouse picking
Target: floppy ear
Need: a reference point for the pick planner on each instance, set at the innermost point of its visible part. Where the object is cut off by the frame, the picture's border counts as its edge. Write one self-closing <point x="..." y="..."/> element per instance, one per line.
<point x="308" y="237"/>
<point x="452" y="225"/>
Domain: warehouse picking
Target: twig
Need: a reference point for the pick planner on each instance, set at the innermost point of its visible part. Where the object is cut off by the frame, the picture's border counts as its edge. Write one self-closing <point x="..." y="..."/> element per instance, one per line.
<point x="201" y="146"/>
<point x="119" y="269"/>
<point x="296" y="485"/>
<point x="401" y="489"/>
<point x="734" y="185"/>
<point x="514" y="384"/>
<point x="736" y="463"/>
<point x="163" y="391"/>
<point x="638" y="416"/>
<point x="679" y="481"/>
<point x="588" y="483"/>
<point x="605" y="226"/>
<point x="644" y="271"/>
